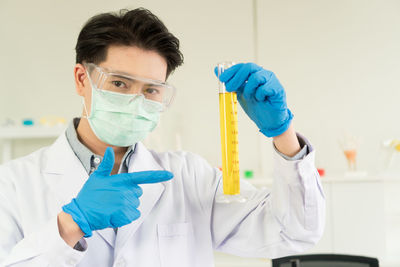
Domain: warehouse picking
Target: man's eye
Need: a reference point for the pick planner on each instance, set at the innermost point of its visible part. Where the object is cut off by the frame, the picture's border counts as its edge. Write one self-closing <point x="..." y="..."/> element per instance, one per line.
<point x="119" y="84"/>
<point x="152" y="91"/>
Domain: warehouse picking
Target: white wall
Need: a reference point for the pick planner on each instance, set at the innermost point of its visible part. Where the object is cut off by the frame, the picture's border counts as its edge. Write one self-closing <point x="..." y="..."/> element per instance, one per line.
<point x="339" y="62"/>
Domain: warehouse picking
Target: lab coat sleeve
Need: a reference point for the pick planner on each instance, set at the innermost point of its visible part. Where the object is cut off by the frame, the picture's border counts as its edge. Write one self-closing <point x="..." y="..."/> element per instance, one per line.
<point x="43" y="247"/>
<point x="286" y="220"/>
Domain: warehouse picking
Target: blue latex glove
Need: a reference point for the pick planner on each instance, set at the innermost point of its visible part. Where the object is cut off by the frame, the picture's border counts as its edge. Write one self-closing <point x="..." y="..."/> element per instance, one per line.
<point x="110" y="200"/>
<point x="261" y="96"/>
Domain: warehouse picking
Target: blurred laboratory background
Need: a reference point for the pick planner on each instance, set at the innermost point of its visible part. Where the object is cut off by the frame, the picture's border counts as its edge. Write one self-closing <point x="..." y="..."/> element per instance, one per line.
<point x="339" y="62"/>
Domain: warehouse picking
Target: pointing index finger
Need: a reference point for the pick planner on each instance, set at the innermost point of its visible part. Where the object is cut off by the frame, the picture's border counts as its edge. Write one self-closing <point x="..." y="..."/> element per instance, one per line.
<point x="145" y="177"/>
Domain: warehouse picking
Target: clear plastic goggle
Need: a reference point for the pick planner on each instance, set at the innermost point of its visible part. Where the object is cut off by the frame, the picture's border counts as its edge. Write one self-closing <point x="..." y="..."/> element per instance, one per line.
<point x="122" y="83"/>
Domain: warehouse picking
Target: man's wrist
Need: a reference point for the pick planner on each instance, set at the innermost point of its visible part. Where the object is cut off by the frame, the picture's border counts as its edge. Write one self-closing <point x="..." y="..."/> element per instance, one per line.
<point x="287" y="143"/>
<point x="68" y="229"/>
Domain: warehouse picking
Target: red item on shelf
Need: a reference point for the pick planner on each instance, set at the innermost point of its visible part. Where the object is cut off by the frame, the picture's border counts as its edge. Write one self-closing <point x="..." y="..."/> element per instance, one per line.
<point x="321" y="172"/>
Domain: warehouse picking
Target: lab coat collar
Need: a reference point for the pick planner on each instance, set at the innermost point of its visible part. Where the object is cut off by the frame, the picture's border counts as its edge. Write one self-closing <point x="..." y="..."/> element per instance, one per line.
<point x="63" y="172"/>
<point x="59" y="157"/>
<point x="141" y="160"/>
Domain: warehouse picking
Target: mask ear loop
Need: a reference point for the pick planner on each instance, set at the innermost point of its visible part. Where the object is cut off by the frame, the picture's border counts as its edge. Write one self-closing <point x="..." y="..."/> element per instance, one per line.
<point x="83" y="99"/>
<point x="84" y="105"/>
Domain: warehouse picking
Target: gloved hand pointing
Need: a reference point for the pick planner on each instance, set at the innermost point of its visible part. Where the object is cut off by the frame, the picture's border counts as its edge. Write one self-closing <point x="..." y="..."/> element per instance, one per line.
<point x="261" y="96"/>
<point x="110" y="200"/>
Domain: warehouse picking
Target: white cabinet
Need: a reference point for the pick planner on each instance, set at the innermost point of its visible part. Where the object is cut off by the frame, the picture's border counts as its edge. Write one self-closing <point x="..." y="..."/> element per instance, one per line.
<point x="362" y="218"/>
<point x="355" y="222"/>
<point x="358" y="218"/>
<point x="392" y="211"/>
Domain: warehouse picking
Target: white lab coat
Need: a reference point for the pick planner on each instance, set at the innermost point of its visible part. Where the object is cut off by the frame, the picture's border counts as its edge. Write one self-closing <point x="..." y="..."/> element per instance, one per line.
<point x="180" y="223"/>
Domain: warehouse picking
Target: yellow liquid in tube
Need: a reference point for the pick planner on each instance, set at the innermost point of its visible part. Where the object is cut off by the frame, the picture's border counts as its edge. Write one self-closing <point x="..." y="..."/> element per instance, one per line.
<point x="229" y="143"/>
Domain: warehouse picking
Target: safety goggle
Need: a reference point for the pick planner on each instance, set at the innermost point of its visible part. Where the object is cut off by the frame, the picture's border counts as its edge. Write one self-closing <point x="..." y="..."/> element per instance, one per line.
<point x="121" y="83"/>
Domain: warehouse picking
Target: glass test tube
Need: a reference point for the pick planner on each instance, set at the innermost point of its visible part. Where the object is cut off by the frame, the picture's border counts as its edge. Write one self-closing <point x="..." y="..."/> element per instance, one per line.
<point x="229" y="141"/>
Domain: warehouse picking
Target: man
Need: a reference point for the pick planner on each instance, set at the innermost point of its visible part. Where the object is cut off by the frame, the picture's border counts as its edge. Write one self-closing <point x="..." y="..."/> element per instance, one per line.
<point x="66" y="205"/>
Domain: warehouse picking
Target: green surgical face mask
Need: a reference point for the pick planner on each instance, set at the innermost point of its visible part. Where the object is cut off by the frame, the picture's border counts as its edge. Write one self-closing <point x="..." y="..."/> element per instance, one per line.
<point x="121" y="119"/>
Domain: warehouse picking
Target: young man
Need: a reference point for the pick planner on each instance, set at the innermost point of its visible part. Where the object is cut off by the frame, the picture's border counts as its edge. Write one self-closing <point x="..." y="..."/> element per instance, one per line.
<point x="66" y="205"/>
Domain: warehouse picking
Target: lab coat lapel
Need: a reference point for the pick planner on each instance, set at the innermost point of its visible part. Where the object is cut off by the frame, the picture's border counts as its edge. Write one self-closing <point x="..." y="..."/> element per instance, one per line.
<point x="63" y="172"/>
<point x="141" y="160"/>
<point x="65" y="176"/>
<point x="108" y="235"/>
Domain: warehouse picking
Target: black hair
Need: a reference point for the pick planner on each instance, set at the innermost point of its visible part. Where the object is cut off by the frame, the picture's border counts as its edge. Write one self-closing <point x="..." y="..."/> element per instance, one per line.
<point x="138" y="27"/>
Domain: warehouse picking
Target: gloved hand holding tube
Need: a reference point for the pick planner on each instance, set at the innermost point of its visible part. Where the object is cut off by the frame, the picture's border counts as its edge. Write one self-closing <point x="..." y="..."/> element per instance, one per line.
<point x="261" y="96"/>
<point x="110" y="200"/>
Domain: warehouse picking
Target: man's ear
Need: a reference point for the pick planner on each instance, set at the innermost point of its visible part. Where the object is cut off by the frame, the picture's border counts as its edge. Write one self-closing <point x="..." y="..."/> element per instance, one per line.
<point x="80" y="79"/>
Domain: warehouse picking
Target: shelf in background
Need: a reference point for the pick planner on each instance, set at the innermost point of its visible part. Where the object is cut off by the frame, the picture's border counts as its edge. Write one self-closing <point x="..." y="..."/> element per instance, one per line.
<point x="28" y="132"/>
<point x="10" y="133"/>
<point x="339" y="178"/>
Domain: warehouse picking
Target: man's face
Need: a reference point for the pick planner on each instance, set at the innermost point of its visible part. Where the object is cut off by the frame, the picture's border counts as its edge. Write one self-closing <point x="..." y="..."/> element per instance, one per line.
<point x="129" y="60"/>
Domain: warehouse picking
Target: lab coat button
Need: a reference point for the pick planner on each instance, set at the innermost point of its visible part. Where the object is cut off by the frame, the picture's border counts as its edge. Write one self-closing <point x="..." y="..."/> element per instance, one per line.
<point x="96" y="160"/>
<point x="72" y="262"/>
<point x="120" y="263"/>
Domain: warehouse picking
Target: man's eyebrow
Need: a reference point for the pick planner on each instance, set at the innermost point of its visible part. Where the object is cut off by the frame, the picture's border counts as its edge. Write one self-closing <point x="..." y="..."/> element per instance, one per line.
<point x="117" y="72"/>
<point x="123" y="73"/>
<point x="123" y="76"/>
